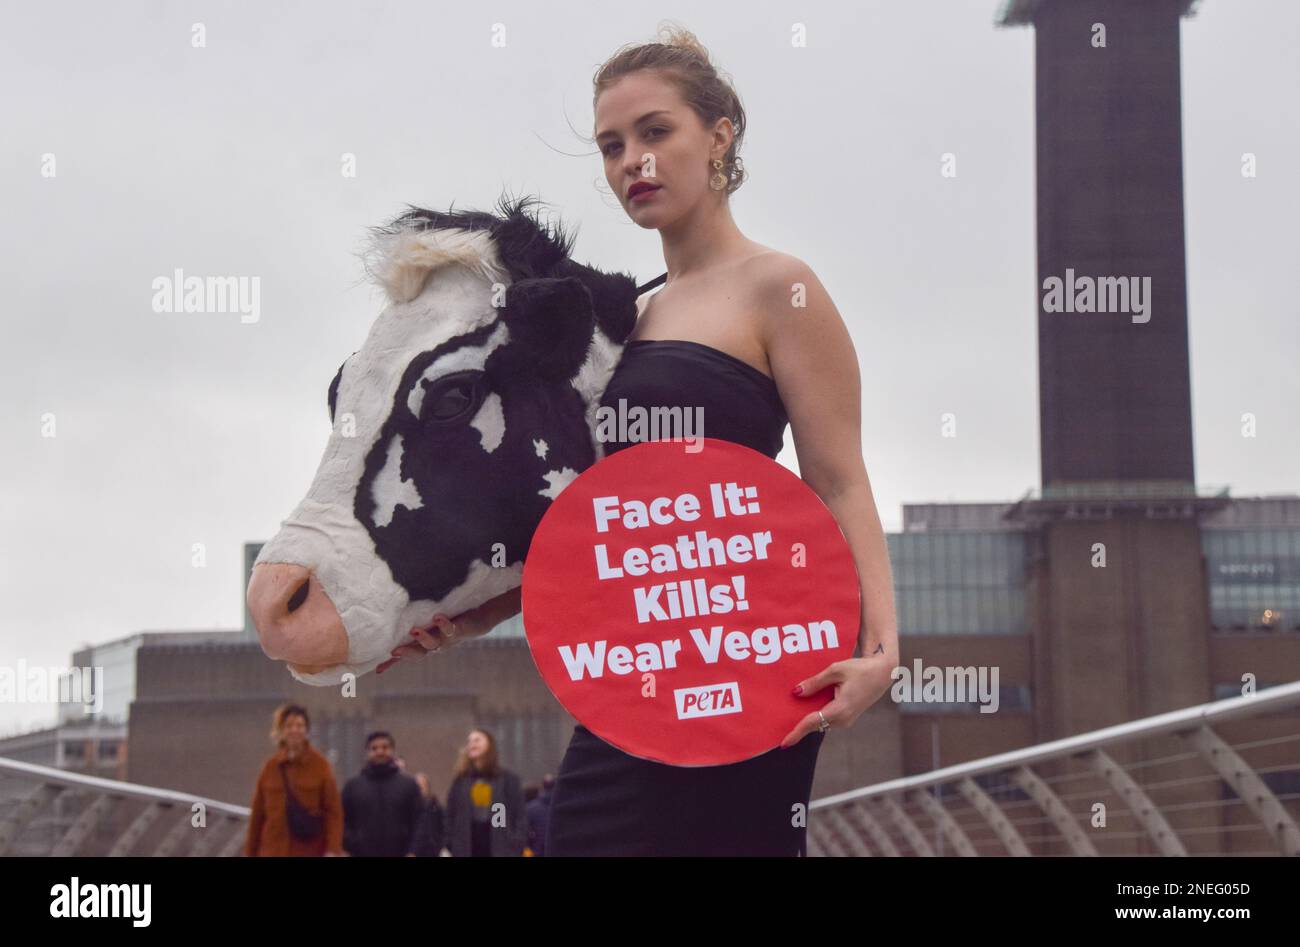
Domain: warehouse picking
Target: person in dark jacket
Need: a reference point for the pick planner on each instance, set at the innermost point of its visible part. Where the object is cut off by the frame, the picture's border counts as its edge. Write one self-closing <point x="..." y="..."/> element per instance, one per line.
<point x="429" y="833"/>
<point x="381" y="804"/>
<point x="539" y="813"/>
<point x="485" y="804"/>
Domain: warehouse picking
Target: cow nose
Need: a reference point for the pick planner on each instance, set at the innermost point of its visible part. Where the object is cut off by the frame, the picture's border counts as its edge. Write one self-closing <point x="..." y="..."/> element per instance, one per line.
<point x="295" y="620"/>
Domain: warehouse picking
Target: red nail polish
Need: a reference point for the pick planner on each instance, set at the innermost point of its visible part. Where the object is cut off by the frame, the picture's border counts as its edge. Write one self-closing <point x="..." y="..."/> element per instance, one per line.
<point x="797" y="691"/>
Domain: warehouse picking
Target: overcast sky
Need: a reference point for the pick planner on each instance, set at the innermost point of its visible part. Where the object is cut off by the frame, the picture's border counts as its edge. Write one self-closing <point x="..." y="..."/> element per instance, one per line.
<point x="175" y="429"/>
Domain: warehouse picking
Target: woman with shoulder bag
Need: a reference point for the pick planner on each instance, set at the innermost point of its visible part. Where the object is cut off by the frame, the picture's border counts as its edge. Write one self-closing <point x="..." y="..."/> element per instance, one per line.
<point x="297" y="809"/>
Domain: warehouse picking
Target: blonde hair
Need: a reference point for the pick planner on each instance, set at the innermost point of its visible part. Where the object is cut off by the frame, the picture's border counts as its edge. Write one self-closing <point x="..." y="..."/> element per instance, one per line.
<point x="682" y="60"/>
<point x="283" y="713"/>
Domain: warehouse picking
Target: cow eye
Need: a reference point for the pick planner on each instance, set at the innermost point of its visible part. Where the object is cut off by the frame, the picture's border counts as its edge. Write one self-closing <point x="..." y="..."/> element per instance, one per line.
<point x="452" y="398"/>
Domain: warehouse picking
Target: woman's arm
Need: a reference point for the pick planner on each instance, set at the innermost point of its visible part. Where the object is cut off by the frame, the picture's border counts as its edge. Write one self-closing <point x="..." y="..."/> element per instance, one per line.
<point x="256" y="819"/>
<point x="446" y="630"/>
<point x="816" y="371"/>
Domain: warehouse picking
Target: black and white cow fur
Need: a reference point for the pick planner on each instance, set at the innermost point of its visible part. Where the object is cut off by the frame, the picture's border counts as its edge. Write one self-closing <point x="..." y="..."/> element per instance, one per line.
<point x="468" y="409"/>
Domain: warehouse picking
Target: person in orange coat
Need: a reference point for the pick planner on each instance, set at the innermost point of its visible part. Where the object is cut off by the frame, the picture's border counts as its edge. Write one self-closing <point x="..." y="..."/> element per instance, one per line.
<point x="311" y="778"/>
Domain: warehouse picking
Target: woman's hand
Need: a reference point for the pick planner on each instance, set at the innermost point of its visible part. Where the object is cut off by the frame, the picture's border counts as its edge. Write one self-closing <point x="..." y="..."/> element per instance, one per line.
<point x="859" y="683"/>
<point x="429" y="638"/>
<point x="444" y="631"/>
<point x="440" y="633"/>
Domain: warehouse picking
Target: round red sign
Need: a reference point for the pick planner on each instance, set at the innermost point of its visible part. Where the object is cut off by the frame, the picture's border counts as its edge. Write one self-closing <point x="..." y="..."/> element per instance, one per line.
<point x="676" y="592"/>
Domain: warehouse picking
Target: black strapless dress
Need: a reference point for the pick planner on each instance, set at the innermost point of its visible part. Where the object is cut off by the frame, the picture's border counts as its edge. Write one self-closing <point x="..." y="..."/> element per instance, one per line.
<point x="606" y="802"/>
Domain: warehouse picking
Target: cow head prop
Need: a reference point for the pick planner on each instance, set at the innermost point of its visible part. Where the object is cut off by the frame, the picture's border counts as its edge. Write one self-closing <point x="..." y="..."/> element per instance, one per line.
<point x="469" y="407"/>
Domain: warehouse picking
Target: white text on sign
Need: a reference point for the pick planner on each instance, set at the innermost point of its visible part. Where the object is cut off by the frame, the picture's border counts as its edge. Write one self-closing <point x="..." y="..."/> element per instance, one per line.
<point x="763" y="646"/>
<point x="701" y="551"/>
<point x="635" y="514"/>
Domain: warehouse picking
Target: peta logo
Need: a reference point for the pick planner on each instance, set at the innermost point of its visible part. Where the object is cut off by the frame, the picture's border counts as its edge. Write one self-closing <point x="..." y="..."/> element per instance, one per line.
<point x="711" y="700"/>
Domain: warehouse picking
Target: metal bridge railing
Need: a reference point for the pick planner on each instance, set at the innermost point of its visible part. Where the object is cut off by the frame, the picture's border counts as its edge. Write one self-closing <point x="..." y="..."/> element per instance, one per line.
<point x="1221" y="778"/>
<point x="47" y="811"/>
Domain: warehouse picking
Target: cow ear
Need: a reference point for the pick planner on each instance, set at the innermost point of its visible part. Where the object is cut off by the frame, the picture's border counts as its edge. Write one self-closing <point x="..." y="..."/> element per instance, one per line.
<point x="551" y="322"/>
<point x="613" y="295"/>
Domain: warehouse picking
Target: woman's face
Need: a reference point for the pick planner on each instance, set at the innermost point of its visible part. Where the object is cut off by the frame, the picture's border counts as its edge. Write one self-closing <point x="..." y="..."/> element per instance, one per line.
<point x="476" y="745"/>
<point x="294" y="730"/>
<point x="643" y="124"/>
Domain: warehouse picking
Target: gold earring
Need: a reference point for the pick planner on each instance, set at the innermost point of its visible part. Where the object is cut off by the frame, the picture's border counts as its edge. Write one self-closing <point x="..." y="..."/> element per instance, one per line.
<point x="719" y="180"/>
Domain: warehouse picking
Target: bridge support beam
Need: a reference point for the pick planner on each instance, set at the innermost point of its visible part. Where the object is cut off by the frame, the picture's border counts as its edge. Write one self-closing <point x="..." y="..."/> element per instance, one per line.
<point x="947" y="824"/>
<point x="1055" y="810"/>
<point x="914" y="836"/>
<point x="992" y="813"/>
<point x="42" y="797"/>
<point x="1146" y="811"/>
<point x="1252" y="790"/>
<point x="84" y="825"/>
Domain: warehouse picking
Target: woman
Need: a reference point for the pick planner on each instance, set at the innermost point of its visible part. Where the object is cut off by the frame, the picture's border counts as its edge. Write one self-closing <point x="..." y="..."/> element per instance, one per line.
<point x="750" y="335"/>
<point x="486" y="816"/>
<point x="295" y="767"/>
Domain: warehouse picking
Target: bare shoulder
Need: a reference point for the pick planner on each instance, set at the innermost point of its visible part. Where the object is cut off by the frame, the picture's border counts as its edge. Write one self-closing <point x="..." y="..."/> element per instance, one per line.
<point x="774" y="265"/>
<point x="775" y="270"/>
<point x="789" y="298"/>
<point x="815" y="368"/>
